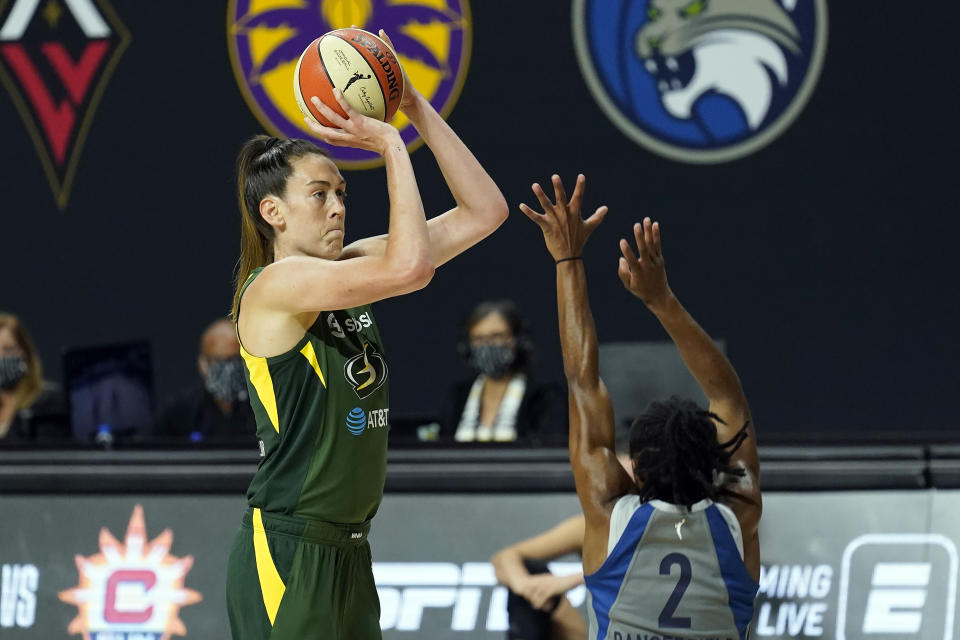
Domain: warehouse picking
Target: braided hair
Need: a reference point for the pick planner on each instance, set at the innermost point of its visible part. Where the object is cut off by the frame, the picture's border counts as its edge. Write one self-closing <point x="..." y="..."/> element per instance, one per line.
<point x="676" y="455"/>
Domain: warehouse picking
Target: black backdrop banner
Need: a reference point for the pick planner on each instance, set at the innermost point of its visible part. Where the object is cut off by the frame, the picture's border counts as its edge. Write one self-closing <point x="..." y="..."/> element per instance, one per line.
<point x="824" y="260"/>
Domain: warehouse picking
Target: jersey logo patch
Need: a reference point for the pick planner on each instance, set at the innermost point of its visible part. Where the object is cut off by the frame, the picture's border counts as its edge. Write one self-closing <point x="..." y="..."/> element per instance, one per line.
<point x="366" y="372"/>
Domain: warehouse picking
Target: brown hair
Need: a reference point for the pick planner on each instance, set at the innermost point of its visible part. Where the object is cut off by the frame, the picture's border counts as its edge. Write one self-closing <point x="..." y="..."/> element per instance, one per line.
<point x="31" y="385"/>
<point x="263" y="166"/>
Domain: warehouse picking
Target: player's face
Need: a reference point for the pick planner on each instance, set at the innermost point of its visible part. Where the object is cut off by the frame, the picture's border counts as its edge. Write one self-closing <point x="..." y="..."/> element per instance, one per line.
<point x="314" y="205"/>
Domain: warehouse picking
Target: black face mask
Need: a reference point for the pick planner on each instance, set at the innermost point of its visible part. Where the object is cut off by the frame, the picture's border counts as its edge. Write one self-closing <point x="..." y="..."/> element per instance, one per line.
<point x="12" y="370"/>
<point x="225" y="380"/>
<point x="492" y="360"/>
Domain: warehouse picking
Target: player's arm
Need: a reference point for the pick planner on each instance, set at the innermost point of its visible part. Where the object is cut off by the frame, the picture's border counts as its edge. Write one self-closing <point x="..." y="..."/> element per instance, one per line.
<point x="566" y="537"/>
<point x="480" y="207"/>
<point x="600" y="479"/>
<point x="304" y="284"/>
<point x="644" y="275"/>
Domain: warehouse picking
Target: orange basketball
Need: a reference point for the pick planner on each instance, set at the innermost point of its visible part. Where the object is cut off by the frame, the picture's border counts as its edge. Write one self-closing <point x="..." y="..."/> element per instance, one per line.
<point x="361" y="65"/>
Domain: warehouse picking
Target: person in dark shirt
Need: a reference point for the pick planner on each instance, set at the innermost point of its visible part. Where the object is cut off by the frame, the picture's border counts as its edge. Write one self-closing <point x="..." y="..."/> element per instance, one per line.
<point x="31" y="409"/>
<point x="217" y="408"/>
<point x="502" y="404"/>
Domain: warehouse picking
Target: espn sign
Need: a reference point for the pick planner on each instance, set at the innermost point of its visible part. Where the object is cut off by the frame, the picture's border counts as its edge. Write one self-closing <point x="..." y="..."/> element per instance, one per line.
<point x="465" y="596"/>
<point x="904" y="584"/>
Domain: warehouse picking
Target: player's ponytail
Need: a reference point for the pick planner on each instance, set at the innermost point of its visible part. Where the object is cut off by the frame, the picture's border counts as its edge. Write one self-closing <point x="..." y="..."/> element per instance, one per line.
<point x="263" y="166"/>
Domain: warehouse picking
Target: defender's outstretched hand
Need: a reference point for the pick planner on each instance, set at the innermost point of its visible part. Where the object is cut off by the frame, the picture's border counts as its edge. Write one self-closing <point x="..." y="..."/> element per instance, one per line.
<point x="564" y="231"/>
<point x="643" y="273"/>
<point x="356" y="130"/>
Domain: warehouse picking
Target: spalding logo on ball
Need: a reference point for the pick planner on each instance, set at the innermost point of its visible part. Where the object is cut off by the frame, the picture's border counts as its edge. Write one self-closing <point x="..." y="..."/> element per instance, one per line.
<point x="361" y="65"/>
<point x="431" y="43"/>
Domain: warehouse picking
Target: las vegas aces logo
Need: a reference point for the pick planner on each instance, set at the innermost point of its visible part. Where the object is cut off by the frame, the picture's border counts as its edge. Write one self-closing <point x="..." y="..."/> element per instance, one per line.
<point x="56" y="58"/>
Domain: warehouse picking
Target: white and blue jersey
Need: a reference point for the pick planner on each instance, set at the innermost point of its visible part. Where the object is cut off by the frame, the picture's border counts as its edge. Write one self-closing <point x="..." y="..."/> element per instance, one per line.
<point x="671" y="574"/>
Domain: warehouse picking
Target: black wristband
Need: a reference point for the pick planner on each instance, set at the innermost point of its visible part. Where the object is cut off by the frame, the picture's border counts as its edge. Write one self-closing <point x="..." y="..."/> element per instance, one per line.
<point x="570" y="258"/>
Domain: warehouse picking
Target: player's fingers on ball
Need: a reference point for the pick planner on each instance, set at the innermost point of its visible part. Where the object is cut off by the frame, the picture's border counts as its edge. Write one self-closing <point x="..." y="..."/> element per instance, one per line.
<point x="338" y="95"/>
<point x="386" y="38"/>
<point x="542" y="197"/>
<point x="332" y="116"/>
<point x="558" y="191"/>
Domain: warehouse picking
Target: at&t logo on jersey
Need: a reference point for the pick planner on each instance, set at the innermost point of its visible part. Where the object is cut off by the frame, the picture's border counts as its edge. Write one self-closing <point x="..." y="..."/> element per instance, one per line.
<point x="266" y="37"/>
<point x="701" y="81"/>
<point x="131" y="591"/>
<point x="359" y="420"/>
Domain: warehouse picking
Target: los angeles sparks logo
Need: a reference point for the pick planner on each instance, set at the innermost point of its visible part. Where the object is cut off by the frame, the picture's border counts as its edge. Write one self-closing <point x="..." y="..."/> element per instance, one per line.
<point x="701" y="80"/>
<point x="266" y="37"/>
<point x="131" y="590"/>
<point x="56" y="57"/>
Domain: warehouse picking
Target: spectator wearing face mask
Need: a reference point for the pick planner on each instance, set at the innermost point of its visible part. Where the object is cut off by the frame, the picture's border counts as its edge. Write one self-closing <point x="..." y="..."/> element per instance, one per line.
<point x="31" y="410"/>
<point x="502" y="403"/>
<point x="216" y="407"/>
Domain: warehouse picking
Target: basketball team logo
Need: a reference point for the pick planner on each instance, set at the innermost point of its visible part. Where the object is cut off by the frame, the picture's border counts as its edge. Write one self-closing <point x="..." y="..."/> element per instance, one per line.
<point x="366" y="372"/>
<point x="266" y="37"/>
<point x="131" y="590"/>
<point x="56" y="58"/>
<point x="701" y="81"/>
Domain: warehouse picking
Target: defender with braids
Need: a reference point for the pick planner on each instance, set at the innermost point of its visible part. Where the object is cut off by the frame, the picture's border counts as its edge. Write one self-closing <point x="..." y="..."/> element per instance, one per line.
<point x="676" y="553"/>
<point x="300" y="566"/>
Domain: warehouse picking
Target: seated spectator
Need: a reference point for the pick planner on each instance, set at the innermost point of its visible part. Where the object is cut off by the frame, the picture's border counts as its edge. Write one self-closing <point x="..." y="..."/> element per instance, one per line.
<point x="536" y="606"/>
<point x="502" y="404"/>
<point x="31" y="410"/>
<point x="216" y="407"/>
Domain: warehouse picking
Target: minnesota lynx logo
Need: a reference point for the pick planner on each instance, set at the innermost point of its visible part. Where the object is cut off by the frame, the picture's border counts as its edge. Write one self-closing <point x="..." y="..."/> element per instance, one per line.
<point x="266" y="37"/>
<point x="55" y="60"/>
<point x="701" y="80"/>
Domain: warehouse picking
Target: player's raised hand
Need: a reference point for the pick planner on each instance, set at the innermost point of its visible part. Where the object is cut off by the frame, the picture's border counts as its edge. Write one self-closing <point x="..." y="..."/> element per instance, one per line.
<point x="356" y="130"/>
<point x="644" y="274"/>
<point x="564" y="231"/>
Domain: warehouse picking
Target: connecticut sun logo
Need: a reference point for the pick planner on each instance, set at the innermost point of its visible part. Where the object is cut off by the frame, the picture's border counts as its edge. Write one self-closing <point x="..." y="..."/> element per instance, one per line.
<point x="132" y="590"/>
<point x="701" y="81"/>
<point x="266" y="37"/>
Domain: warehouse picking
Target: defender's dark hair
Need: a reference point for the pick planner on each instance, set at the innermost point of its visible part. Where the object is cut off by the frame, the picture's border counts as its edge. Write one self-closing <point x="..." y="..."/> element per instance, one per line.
<point x="263" y="166"/>
<point x="677" y="457"/>
<point x="518" y="327"/>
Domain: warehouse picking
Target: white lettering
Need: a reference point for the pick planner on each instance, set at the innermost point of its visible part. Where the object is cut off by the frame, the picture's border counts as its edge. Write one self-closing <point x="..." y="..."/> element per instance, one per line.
<point x="814" y="625"/>
<point x="27" y="607"/>
<point x="18" y="595"/>
<point x="885" y="605"/>
<point x="416" y="599"/>
<point x="797" y="581"/>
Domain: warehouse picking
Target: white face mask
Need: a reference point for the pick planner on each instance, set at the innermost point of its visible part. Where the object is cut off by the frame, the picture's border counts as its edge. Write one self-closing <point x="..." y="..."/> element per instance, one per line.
<point x="12" y="370"/>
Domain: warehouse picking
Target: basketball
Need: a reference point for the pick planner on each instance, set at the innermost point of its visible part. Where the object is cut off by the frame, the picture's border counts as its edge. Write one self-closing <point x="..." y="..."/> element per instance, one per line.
<point x="361" y="65"/>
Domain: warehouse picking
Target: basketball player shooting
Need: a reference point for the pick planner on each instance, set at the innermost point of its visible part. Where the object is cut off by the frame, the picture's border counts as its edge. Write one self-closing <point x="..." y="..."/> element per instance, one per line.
<point x="676" y="553"/>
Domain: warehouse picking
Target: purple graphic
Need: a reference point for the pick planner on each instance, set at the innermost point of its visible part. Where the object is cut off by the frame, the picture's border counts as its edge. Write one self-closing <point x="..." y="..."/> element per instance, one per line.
<point x="418" y="32"/>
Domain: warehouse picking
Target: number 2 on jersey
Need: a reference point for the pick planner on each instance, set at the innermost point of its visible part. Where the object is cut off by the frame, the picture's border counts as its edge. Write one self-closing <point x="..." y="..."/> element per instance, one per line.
<point x="667" y="620"/>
